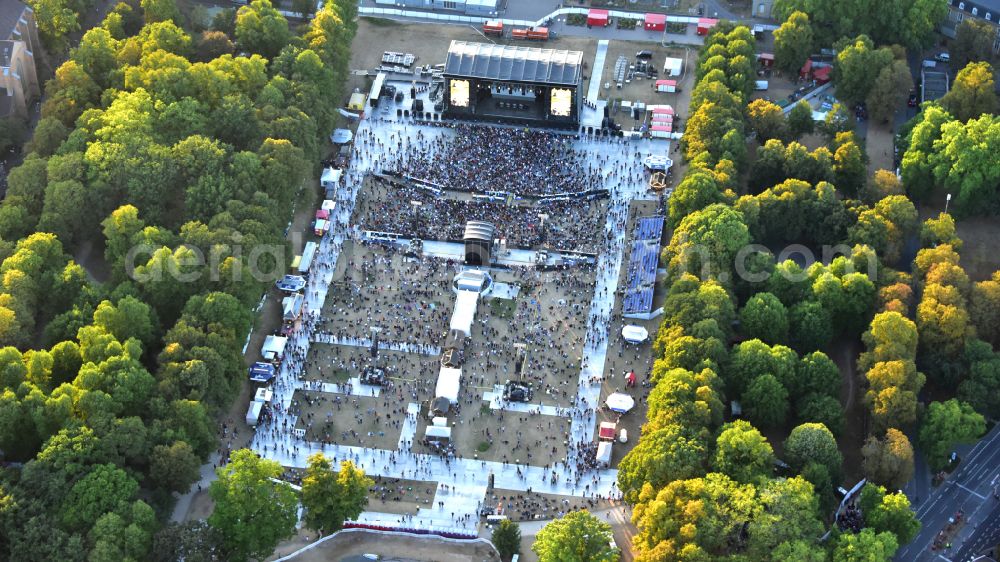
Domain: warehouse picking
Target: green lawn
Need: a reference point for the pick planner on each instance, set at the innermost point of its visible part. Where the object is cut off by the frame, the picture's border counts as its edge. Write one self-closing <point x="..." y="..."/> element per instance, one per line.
<point x="504" y="308"/>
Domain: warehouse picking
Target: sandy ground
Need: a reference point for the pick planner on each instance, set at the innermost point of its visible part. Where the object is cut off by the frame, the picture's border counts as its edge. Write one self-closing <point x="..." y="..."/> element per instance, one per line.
<point x="393" y="548"/>
<point x="879" y="146"/>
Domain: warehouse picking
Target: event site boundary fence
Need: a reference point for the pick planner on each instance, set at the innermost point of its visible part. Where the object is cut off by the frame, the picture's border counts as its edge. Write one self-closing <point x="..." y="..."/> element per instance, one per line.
<point x="459" y="19"/>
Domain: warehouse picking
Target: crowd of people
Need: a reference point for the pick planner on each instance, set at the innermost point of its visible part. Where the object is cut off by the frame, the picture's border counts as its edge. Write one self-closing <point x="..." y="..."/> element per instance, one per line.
<point x="409" y="299"/>
<point x="481" y="158"/>
<point x="573" y="225"/>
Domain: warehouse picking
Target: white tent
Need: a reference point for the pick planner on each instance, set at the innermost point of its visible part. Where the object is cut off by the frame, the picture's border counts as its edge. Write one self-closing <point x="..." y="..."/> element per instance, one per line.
<point x="253" y="413"/>
<point x="635" y="334"/>
<point x="603" y="453"/>
<point x="328" y="205"/>
<point x="263" y="395"/>
<point x="330" y="177"/>
<point x="440" y="421"/>
<point x="465" y="312"/>
<point x="274" y="347"/>
<point x="619" y="402"/>
<point x="291" y="307"/>
<point x="448" y="382"/>
<point x="437" y="432"/>
<point x="672" y="66"/>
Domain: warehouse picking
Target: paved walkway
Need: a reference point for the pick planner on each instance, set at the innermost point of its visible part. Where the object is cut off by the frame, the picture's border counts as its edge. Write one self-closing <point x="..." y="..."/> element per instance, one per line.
<point x="594" y="91"/>
<point x="466" y="479"/>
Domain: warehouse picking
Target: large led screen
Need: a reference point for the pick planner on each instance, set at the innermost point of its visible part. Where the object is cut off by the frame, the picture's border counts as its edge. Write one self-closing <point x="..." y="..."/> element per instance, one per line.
<point x="460" y="93"/>
<point x="562" y="102"/>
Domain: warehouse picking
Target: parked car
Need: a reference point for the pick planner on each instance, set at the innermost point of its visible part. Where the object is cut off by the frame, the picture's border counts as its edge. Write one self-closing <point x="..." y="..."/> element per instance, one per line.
<point x="942" y="57"/>
<point x="912" y="102"/>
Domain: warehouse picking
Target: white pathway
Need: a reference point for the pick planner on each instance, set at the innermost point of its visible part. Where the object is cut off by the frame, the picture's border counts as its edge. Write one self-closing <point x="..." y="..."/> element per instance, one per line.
<point x="461" y="482"/>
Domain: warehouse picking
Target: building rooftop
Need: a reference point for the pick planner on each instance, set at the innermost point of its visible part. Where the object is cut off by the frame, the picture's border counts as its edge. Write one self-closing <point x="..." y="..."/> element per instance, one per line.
<point x="513" y="63"/>
<point x="10" y="12"/>
<point x="992" y="6"/>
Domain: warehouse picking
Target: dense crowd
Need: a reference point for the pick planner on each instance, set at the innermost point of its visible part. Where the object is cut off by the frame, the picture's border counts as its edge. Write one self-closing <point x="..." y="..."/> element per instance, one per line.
<point x="573" y="225"/>
<point x="521" y="161"/>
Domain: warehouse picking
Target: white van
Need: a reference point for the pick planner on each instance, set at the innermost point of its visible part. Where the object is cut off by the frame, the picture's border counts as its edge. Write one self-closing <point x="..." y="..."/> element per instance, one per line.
<point x="929" y="63"/>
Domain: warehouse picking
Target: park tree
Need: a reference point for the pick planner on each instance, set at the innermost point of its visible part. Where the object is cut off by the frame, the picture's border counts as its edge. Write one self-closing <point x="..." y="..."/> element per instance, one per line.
<point x="742" y="453"/>
<point x="754" y="358"/>
<point x="916" y="167"/>
<point x="817" y="373"/>
<point x="697" y="190"/>
<point x="663" y="454"/>
<point x="892" y="393"/>
<point x="578" y="535"/>
<point x="793" y="42"/>
<point x="821" y="408"/>
<point x="849" y="168"/>
<point x="765" y="318"/>
<point x="193" y="541"/>
<point x="973" y="42"/>
<point x="884" y="512"/>
<point x="789" y="508"/>
<point x="940" y="231"/>
<point x="883" y="184"/>
<point x="706" y="242"/>
<point x="800" y="119"/>
<point x="888" y="460"/>
<point x="945" y="425"/>
<point x="252" y="511"/>
<point x="981" y="388"/>
<point x="507" y="539"/>
<point x="812" y="442"/>
<point x="56" y="19"/>
<point x="261" y="29"/>
<point x="866" y="546"/>
<point x="803" y="550"/>
<point x="160" y="10"/>
<point x="174" y="467"/>
<point x="984" y="308"/>
<point x="688" y="519"/>
<point x="767" y="120"/>
<point x="892" y="84"/>
<point x="891" y="336"/>
<point x="855" y="66"/>
<point x="331" y="498"/>
<point x="973" y="92"/>
<point x="810" y="326"/>
<point x="105" y="488"/>
<point x="766" y="401"/>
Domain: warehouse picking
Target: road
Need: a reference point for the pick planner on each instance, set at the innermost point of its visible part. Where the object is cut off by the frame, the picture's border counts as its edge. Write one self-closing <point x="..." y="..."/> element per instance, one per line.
<point x="985" y="537"/>
<point x="969" y="489"/>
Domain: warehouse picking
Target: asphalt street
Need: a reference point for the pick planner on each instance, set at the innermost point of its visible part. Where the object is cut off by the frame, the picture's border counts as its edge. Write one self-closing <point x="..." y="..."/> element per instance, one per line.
<point x="969" y="489"/>
<point x="987" y="536"/>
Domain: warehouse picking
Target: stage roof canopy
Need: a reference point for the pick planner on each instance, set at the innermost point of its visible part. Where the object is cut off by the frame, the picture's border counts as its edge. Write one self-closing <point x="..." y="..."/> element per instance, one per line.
<point x="514" y="63"/>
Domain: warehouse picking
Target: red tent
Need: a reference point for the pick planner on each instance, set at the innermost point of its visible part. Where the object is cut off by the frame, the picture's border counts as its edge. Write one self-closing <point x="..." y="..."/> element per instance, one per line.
<point x="630" y="378"/>
<point x="655" y="22"/>
<point x="822" y="74"/>
<point x="597" y="17"/>
<point x="766" y="59"/>
<point x="607" y="431"/>
<point x="704" y="24"/>
<point x="806" y="69"/>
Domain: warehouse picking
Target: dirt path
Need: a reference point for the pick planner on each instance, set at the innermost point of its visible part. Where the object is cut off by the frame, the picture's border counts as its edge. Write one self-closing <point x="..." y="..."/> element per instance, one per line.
<point x="844" y="352"/>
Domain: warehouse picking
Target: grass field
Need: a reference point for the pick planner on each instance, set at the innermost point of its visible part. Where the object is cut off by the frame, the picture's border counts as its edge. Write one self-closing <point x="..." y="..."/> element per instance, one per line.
<point x="502" y="308"/>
